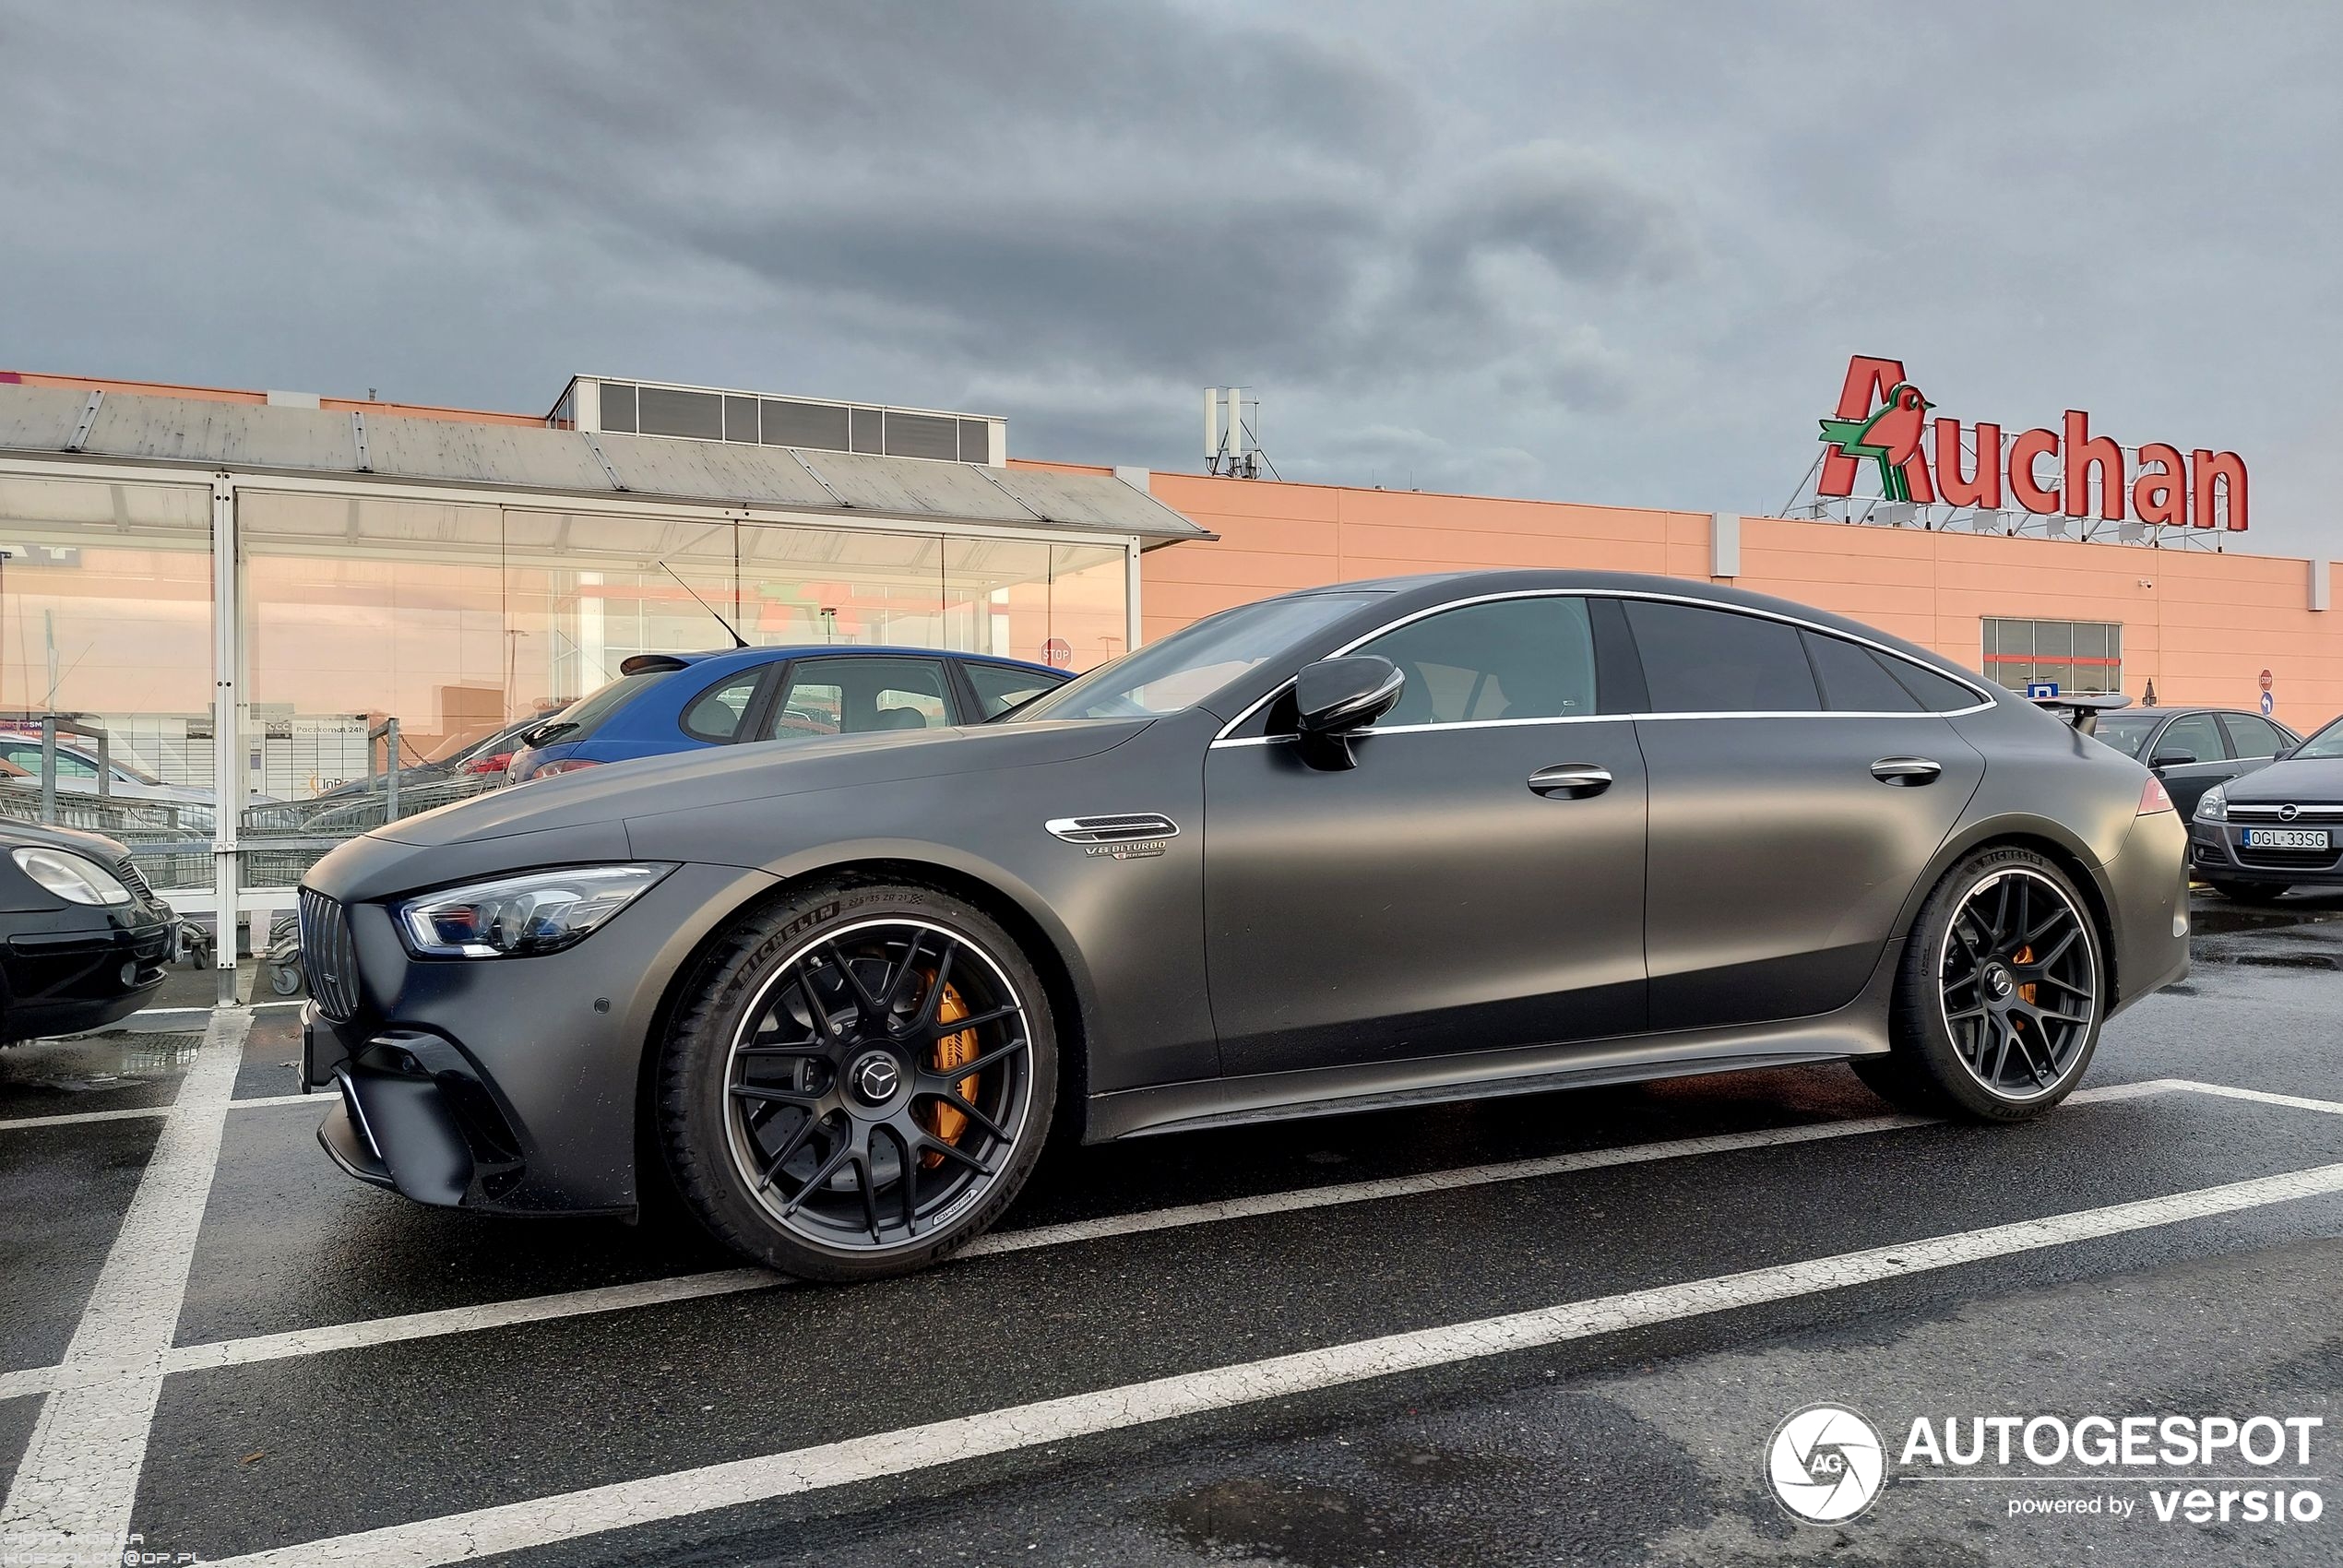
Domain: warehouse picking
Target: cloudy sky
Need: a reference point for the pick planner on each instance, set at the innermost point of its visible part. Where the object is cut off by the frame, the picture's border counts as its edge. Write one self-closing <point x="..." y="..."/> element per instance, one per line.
<point x="1604" y="252"/>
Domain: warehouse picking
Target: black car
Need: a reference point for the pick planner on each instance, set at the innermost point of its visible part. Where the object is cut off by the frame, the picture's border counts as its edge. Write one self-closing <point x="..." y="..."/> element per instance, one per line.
<point x="83" y="939"/>
<point x="2192" y="749"/>
<point x="1374" y="845"/>
<point x="2276" y="828"/>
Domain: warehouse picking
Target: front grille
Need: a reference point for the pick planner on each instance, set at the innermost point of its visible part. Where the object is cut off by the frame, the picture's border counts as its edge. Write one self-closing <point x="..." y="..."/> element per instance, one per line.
<point x="329" y="958"/>
<point x="2303" y="859"/>
<point x="2249" y="812"/>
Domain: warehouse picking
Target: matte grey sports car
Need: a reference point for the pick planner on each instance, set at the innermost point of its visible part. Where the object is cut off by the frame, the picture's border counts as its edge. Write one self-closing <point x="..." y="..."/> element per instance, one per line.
<point x="1377" y="844"/>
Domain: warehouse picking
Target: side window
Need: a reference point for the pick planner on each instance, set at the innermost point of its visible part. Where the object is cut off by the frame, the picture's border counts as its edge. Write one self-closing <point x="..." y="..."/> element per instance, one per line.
<point x="852" y="695"/>
<point x="1000" y="688"/>
<point x="1508" y="658"/>
<point x="68" y="766"/>
<point x="716" y="714"/>
<point x="1699" y="661"/>
<point x="1938" y="694"/>
<point x="2194" y="736"/>
<point x="1853" y="679"/>
<point x="2253" y="737"/>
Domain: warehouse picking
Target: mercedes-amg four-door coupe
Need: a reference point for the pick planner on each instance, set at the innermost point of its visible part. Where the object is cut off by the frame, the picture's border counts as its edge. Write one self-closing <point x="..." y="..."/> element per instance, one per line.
<point x="1365" y="845"/>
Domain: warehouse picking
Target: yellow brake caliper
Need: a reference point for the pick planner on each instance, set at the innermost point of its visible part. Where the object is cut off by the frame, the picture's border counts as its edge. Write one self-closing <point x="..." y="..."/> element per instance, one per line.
<point x="950" y="1051"/>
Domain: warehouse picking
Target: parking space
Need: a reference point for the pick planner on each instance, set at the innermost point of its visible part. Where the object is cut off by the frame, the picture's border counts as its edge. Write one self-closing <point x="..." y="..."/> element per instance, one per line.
<point x="1539" y="1329"/>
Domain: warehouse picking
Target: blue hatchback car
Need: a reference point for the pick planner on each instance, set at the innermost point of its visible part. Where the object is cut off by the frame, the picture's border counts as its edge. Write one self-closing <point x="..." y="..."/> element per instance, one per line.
<point x="678" y="702"/>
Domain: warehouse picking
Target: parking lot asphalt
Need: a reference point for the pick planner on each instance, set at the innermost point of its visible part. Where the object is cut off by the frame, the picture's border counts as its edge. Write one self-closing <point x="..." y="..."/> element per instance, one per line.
<point x="1543" y="1329"/>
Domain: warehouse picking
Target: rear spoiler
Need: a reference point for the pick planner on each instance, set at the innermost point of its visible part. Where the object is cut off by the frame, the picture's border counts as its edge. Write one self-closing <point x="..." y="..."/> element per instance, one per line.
<point x="2082" y="709"/>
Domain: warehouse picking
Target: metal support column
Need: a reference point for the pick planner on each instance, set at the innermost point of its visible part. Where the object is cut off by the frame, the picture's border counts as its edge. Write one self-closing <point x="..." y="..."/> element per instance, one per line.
<point x="1131" y="595"/>
<point x="227" y="728"/>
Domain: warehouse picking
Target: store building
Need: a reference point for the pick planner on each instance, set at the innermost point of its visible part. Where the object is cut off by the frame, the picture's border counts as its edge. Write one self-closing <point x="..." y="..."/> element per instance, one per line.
<point x="341" y="564"/>
<point x="239" y="593"/>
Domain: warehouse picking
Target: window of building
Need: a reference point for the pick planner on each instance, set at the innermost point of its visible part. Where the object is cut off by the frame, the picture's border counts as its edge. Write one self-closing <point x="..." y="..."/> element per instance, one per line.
<point x="2080" y="656"/>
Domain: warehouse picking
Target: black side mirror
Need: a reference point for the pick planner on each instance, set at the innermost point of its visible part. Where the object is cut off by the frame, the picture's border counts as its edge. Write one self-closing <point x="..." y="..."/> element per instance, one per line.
<point x="2282" y="753"/>
<point x="2163" y="760"/>
<point x="1335" y="697"/>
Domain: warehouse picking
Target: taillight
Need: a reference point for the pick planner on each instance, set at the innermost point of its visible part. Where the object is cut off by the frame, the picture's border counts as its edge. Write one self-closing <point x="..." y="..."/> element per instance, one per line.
<point x="572" y="764"/>
<point x="2152" y="799"/>
<point x="496" y="764"/>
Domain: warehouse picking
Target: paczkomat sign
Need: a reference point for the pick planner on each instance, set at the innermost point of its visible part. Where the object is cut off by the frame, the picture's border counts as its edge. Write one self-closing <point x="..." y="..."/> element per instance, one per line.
<point x="1883" y="418"/>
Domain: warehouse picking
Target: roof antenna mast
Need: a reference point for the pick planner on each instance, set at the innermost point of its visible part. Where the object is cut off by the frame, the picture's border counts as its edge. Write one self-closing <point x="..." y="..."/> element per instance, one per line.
<point x="738" y="640"/>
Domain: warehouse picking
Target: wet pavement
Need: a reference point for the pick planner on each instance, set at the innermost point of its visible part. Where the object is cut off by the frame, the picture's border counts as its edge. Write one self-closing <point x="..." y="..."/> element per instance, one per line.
<point x="1284" y="1386"/>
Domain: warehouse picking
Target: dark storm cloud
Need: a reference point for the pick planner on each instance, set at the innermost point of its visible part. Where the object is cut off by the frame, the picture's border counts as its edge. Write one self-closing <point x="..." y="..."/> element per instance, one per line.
<point x="1604" y="252"/>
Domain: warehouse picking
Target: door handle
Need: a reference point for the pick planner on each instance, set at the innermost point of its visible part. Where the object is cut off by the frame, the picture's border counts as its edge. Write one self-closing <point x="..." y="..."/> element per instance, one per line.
<point x="1573" y="781"/>
<point x="1905" y="770"/>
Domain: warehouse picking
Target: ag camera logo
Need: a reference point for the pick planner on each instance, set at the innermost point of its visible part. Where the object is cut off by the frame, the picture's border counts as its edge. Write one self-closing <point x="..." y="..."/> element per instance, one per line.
<point x="1825" y="1464"/>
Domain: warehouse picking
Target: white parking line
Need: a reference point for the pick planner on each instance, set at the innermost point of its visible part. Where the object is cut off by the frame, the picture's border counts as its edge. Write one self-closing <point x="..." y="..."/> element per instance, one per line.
<point x="80" y="1471"/>
<point x="2263" y="1097"/>
<point x="131" y="1114"/>
<point x="71" y="1118"/>
<point x="690" y="1287"/>
<point x="567" y="1517"/>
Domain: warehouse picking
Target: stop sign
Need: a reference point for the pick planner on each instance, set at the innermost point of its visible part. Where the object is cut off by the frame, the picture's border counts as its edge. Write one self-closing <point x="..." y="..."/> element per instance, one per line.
<point x="1058" y="654"/>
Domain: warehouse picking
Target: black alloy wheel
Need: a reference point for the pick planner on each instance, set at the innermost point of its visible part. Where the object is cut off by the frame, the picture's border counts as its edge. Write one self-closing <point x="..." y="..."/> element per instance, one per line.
<point x="2001" y="994"/>
<point x="863" y="1094"/>
<point x="2018" y="982"/>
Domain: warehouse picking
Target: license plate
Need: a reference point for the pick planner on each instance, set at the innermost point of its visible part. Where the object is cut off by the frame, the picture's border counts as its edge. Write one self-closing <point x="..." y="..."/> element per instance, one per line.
<point x="2285" y="838"/>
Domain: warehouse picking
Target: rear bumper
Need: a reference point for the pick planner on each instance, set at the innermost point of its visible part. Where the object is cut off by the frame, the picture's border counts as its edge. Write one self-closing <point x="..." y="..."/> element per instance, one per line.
<point x="2148" y="892"/>
<point x="2217" y="852"/>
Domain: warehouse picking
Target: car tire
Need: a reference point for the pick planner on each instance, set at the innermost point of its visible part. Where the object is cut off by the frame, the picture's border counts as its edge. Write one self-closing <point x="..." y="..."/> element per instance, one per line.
<point x="1968" y="999"/>
<point x="2249" y="891"/>
<point x="881" y="1153"/>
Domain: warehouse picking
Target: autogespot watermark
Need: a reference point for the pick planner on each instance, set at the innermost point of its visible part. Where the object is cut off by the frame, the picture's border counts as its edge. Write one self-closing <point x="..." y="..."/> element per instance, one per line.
<point x="1828" y="1464"/>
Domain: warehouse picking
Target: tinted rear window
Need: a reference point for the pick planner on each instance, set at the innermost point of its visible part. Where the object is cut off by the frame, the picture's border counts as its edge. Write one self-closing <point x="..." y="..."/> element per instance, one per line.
<point x="1699" y="660"/>
<point x="1854" y="681"/>
<point x="581" y="719"/>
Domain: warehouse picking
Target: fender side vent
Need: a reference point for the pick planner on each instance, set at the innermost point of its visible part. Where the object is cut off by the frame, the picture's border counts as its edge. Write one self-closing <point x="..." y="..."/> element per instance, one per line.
<point x="1118" y="829"/>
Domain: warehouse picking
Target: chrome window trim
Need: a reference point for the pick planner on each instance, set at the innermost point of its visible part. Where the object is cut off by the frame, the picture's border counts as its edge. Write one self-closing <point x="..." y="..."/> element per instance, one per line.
<point x="1985" y="700"/>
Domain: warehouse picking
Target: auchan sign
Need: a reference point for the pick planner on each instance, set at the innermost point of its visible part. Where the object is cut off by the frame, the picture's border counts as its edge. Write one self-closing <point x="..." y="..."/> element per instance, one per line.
<point x="1883" y="418"/>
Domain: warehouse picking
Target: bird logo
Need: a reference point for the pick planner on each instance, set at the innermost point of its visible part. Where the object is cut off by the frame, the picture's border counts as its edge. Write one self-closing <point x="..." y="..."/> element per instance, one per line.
<point x="1889" y="437"/>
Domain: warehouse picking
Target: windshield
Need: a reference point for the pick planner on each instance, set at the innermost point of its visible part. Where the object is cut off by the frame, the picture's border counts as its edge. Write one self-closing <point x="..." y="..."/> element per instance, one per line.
<point x="2327" y="744"/>
<point x="1191" y="663"/>
<point x="2126" y="733"/>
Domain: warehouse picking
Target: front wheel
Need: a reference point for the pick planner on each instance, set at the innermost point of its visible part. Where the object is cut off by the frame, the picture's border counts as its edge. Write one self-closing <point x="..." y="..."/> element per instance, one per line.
<point x="858" y="1082"/>
<point x="2001" y="992"/>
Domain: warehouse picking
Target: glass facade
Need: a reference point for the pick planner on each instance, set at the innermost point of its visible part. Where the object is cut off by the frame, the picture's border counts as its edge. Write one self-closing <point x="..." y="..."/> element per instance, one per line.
<point x="2079" y="656"/>
<point x="375" y="625"/>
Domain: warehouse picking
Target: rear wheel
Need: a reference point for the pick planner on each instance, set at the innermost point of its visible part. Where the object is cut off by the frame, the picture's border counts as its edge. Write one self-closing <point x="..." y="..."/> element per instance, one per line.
<point x="860" y="1081"/>
<point x="2249" y="891"/>
<point x="2001" y="992"/>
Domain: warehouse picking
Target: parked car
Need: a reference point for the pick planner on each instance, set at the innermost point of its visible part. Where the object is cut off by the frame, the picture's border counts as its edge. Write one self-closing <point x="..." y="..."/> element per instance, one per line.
<point x="677" y="702"/>
<point x="83" y="939"/>
<point x="2276" y="828"/>
<point x="477" y="757"/>
<point x="2192" y="749"/>
<point x="1375" y="845"/>
<point x="78" y="774"/>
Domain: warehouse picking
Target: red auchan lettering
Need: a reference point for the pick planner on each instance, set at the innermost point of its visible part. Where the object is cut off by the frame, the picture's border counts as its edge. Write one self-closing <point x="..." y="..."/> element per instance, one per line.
<point x="2043" y="472"/>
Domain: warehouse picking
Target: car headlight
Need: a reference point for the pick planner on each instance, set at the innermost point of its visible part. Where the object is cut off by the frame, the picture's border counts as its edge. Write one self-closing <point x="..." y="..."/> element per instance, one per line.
<point x="541" y="911"/>
<point x="2213" y="805"/>
<point x="75" y="878"/>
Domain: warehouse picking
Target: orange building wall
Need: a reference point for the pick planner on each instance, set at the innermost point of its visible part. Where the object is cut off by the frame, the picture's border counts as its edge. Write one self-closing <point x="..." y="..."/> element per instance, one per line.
<point x="2203" y="626"/>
